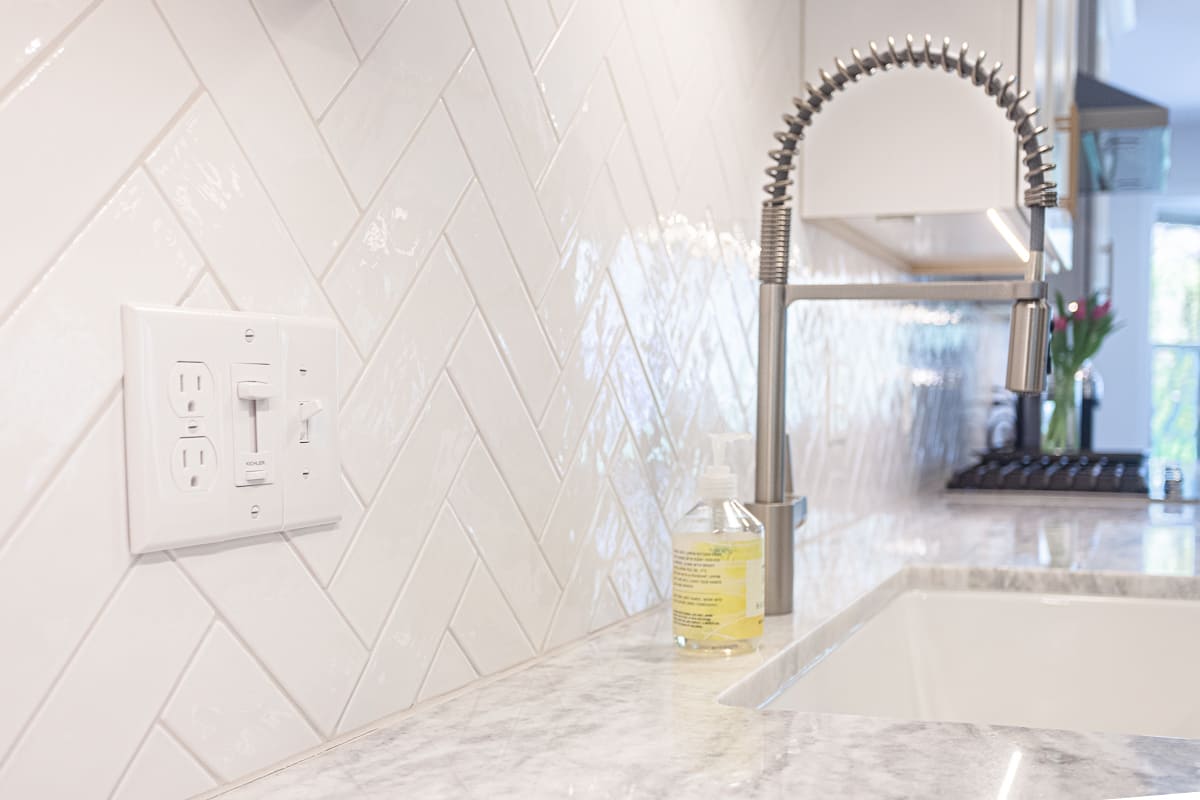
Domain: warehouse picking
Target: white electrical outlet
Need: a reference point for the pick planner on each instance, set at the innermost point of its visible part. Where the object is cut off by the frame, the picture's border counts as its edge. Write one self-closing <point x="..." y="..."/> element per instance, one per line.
<point x="194" y="463"/>
<point x="212" y="427"/>
<point x="190" y="386"/>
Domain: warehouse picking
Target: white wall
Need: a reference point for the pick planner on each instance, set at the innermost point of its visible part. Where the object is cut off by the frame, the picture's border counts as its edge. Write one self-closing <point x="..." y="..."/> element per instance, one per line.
<point x="532" y="221"/>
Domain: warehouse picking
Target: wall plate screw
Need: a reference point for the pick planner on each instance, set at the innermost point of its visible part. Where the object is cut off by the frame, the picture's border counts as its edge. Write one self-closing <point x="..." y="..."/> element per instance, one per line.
<point x="254" y="512"/>
<point x="249" y="334"/>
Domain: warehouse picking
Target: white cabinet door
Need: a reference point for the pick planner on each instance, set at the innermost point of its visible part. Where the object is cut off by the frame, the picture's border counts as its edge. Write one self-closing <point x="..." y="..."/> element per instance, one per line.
<point x="910" y="141"/>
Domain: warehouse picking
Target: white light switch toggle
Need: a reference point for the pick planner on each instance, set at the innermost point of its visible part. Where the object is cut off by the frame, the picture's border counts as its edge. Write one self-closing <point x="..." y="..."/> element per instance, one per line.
<point x="255" y="390"/>
<point x="308" y="410"/>
<point x="253" y="420"/>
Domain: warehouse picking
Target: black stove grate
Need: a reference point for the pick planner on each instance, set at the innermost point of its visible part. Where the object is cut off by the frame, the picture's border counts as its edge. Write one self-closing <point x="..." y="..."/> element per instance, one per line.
<point x="1121" y="473"/>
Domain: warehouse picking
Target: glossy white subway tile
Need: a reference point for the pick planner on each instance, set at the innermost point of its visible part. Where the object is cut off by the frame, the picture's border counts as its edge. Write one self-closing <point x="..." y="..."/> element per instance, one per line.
<point x="230" y="714"/>
<point x="394" y="385"/>
<point x="163" y="768"/>
<point x="571" y="61"/>
<point x="536" y="25"/>
<point x="487" y="629"/>
<point x="58" y="163"/>
<point x="582" y="375"/>
<point x="643" y="124"/>
<point x="583" y="265"/>
<point x="366" y="20"/>
<point x="234" y="57"/>
<point x="582" y="487"/>
<point x="59" y="569"/>
<point x="503" y="421"/>
<point x="517" y="92"/>
<point x="374" y="118"/>
<point x="648" y="44"/>
<point x="410" y="639"/>
<point x="264" y="592"/>
<point x="508" y="187"/>
<point x="398" y="231"/>
<point x="105" y="701"/>
<point x="322" y="548"/>
<point x="30" y="28"/>
<point x="450" y="670"/>
<point x="390" y="535"/>
<point x="503" y="299"/>
<point x="483" y="505"/>
<point x="564" y="188"/>
<point x="206" y="179"/>
<point x="589" y="571"/>
<point x="314" y="48"/>
<point x="630" y="576"/>
<point x="65" y="339"/>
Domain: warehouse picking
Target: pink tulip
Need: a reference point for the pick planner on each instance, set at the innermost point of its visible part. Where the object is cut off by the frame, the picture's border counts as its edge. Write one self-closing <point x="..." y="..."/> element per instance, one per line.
<point x="1101" y="311"/>
<point x="1081" y="309"/>
<point x="1060" y="324"/>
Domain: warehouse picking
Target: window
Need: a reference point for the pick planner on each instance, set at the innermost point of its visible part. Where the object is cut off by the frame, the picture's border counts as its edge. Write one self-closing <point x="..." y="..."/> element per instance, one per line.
<point x="1175" y="341"/>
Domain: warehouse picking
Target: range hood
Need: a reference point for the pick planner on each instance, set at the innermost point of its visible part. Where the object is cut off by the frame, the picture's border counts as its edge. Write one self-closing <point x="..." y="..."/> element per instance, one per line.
<point x="1123" y="139"/>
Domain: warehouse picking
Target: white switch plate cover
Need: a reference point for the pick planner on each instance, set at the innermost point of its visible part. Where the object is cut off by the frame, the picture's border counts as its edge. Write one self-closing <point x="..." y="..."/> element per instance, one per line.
<point x="264" y="479"/>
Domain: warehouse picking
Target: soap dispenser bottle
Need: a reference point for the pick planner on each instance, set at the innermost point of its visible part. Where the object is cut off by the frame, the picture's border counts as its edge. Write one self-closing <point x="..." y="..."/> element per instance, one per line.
<point x="717" y="573"/>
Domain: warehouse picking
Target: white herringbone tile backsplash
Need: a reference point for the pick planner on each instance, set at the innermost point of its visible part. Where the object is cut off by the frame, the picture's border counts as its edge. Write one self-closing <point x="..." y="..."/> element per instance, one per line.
<point x="533" y="221"/>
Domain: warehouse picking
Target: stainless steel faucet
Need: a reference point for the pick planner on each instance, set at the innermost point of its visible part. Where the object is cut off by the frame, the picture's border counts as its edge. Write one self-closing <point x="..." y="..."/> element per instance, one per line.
<point x="779" y="512"/>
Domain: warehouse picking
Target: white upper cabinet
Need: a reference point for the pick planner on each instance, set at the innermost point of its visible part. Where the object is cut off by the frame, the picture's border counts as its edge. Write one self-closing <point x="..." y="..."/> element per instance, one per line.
<point x="912" y="159"/>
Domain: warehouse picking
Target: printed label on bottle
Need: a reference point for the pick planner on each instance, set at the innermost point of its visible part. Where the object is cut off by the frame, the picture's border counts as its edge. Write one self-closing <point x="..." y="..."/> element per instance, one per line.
<point x="718" y="590"/>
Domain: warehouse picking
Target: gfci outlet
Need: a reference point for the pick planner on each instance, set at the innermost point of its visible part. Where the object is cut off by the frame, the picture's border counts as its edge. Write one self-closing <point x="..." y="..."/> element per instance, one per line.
<point x="230" y="425"/>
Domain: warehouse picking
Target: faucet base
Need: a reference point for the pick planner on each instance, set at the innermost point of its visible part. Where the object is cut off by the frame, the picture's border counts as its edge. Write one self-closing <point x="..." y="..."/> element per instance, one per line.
<point x="780" y="521"/>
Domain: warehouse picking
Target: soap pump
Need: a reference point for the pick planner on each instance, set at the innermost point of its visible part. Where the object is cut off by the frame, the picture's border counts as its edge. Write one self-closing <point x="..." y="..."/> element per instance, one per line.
<point x="717" y="572"/>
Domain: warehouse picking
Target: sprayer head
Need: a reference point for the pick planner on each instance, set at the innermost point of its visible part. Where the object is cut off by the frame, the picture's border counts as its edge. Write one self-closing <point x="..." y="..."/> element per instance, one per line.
<point x="1027" y="335"/>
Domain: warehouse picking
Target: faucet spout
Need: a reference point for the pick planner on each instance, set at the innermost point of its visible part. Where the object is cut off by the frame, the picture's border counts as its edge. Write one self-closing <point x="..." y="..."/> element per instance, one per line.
<point x="1030" y="323"/>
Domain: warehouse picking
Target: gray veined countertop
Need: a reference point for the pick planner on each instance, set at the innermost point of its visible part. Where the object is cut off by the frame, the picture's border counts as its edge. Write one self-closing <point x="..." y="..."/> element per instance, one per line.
<point x="623" y="715"/>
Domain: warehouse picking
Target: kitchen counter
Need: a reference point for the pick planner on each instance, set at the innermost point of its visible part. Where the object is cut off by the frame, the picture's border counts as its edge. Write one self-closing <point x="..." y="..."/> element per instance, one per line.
<point x="623" y="715"/>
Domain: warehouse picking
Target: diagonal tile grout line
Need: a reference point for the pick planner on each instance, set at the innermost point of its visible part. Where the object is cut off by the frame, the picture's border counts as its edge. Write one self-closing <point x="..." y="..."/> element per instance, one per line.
<point x="237" y="635"/>
<point x="534" y="62"/>
<point x="387" y="173"/>
<point x="362" y="496"/>
<point x="372" y="348"/>
<point x="7" y="313"/>
<point x="395" y="601"/>
<point x="174" y="737"/>
<point x="170" y="694"/>
<point x="362" y="57"/>
<point x="291" y="545"/>
<point x="448" y="631"/>
<point x="25" y="75"/>
<point x="23" y="731"/>
<point x="345" y="32"/>
<point x="637" y="58"/>
<point x="492" y="208"/>
<point x="392" y="467"/>
<point x="258" y="178"/>
<point x="492" y="577"/>
<point x="479" y="673"/>
<point x="487" y="76"/>
<point x="316" y="128"/>
<point x="662" y="594"/>
<point x="532" y="530"/>
<point x="505" y="358"/>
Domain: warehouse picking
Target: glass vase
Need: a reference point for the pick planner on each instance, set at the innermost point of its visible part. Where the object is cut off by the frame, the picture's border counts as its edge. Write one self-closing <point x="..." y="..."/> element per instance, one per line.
<point x="1062" y="431"/>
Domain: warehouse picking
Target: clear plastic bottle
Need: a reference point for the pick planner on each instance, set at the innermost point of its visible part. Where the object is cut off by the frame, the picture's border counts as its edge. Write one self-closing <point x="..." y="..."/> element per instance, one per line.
<point x="717" y="576"/>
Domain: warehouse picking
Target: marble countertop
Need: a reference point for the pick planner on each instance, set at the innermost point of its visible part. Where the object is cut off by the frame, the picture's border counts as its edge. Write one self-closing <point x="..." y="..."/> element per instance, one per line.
<point x="623" y="715"/>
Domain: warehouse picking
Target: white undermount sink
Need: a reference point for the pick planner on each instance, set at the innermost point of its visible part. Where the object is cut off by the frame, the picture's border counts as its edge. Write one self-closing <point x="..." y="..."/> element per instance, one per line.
<point x="1078" y="654"/>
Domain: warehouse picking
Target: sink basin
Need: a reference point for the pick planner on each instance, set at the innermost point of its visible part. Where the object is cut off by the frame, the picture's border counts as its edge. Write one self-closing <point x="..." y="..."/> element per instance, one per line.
<point x="1034" y="648"/>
